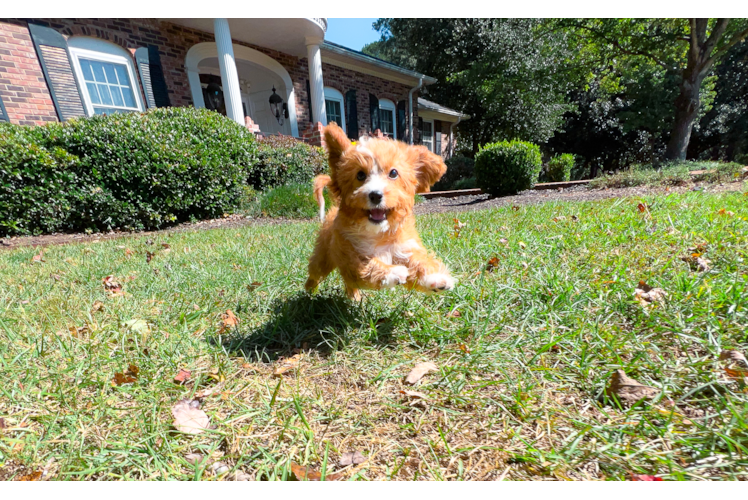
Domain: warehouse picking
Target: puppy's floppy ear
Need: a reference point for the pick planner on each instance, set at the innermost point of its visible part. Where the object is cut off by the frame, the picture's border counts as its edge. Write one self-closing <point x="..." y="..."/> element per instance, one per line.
<point x="336" y="143"/>
<point x="429" y="168"/>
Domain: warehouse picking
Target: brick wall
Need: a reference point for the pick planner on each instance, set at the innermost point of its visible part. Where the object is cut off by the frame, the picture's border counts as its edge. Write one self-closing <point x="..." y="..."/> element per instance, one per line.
<point x="22" y="85"/>
<point x="30" y="102"/>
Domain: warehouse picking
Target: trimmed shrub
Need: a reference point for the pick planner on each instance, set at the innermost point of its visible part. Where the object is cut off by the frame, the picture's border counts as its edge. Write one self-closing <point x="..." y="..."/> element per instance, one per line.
<point x="468" y="183"/>
<point x="285" y="160"/>
<point x="507" y="167"/>
<point x="294" y="201"/>
<point x="559" y="168"/>
<point x="458" y="169"/>
<point x="38" y="187"/>
<point x="128" y="171"/>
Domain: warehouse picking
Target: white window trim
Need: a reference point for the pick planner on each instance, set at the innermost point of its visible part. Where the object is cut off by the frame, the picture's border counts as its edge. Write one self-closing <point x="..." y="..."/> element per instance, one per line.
<point x="108" y="56"/>
<point x="433" y="134"/>
<point x="390" y="106"/>
<point x="332" y="94"/>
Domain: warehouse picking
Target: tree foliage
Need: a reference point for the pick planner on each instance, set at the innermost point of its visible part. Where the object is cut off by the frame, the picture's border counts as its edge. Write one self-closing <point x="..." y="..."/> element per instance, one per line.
<point x="509" y="75"/>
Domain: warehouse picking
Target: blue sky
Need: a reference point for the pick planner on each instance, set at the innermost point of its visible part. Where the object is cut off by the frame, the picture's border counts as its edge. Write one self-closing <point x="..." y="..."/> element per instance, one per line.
<point x="352" y="33"/>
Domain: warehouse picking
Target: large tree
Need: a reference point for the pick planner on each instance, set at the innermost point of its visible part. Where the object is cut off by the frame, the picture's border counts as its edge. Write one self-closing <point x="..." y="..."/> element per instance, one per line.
<point x="688" y="48"/>
<point x="510" y="75"/>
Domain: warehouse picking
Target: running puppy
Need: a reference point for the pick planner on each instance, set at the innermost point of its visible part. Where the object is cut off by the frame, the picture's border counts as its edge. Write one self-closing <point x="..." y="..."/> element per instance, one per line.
<point x="370" y="235"/>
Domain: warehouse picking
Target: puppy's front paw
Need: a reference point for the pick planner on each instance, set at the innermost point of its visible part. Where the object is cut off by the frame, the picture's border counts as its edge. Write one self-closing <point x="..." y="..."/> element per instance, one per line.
<point x="438" y="282"/>
<point x="398" y="276"/>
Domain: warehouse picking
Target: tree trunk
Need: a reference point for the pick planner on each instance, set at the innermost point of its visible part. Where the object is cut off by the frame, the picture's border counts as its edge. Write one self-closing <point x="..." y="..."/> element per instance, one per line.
<point x="686" y="112"/>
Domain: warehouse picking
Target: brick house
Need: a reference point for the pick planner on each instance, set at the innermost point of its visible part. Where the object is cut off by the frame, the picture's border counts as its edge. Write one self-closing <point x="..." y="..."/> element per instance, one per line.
<point x="276" y="76"/>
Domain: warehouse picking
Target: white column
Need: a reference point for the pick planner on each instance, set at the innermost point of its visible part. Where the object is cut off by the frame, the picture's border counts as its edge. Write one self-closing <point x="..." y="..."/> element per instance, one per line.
<point x="229" y="76"/>
<point x="316" y="85"/>
<point x="197" y="90"/>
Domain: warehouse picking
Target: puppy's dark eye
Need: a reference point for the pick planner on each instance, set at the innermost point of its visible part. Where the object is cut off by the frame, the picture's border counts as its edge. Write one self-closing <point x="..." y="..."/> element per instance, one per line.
<point x="361" y="176"/>
<point x="393" y="174"/>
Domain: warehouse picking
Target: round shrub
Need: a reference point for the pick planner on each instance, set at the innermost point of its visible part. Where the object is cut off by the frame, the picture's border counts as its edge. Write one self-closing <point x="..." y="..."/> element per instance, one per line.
<point x="559" y="168"/>
<point x="128" y="171"/>
<point x="38" y="187"/>
<point x="458" y="168"/>
<point x="285" y="160"/>
<point x="507" y="167"/>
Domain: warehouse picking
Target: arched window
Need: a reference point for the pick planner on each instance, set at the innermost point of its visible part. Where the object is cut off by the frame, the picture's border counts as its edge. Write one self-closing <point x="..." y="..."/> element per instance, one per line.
<point x="387" y="114"/>
<point x="335" y="106"/>
<point x="106" y="74"/>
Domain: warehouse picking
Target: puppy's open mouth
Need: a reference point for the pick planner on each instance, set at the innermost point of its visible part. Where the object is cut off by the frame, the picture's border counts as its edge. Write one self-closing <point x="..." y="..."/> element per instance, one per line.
<point x="377" y="215"/>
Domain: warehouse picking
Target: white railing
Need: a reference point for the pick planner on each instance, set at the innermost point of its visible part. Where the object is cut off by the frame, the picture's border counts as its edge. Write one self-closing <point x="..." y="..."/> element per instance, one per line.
<point x="319" y="21"/>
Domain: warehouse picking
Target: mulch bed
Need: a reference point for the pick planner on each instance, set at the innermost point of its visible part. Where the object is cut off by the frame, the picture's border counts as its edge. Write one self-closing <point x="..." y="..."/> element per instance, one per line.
<point x="430" y="206"/>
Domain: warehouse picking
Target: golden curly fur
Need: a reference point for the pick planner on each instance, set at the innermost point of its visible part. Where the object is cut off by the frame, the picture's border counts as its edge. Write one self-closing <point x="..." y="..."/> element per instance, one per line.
<point x="370" y="234"/>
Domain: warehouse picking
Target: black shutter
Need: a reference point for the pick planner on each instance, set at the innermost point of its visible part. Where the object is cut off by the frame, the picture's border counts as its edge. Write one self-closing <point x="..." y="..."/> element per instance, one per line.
<point x="54" y="58"/>
<point x="438" y="137"/>
<point x="374" y="111"/>
<point x="420" y="131"/>
<point x="309" y="101"/>
<point x="401" y="121"/>
<point x="152" y="77"/>
<point x="351" y="114"/>
<point x="3" y="113"/>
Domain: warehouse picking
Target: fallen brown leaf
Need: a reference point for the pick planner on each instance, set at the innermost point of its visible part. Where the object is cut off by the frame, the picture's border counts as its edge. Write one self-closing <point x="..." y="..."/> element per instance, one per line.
<point x="149" y="256"/>
<point x="112" y="286"/>
<point x="645" y="294"/>
<point x="414" y="394"/>
<point x="128" y="253"/>
<point x="79" y="331"/>
<point x="458" y="227"/>
<point x="254" y="285"/>
<point x="454" y="314"/>
<point x="302" y="473"/>
<point x="228" y="321"/>
<point x="183" y="376"/>
<point x="419" y="371"/>
<point x="696" y="262"/>
<point x="97" y="306"/>
<point x="352" y="458"/>
<point x="284" y="365"/>
<point x="629" y="390"/>
<point x="189" y="418"/>
<point x="515" y="208"/>
<point x="503" y="241"/>
<point x="642" y="207"/>
<point x="493" y="263"/>
<point x="128" y="377"/>
<point x="644" y="477"/>
<point x="736" y="365"/>
<point x="34" y="476"/>
<point x="38" y="258"/>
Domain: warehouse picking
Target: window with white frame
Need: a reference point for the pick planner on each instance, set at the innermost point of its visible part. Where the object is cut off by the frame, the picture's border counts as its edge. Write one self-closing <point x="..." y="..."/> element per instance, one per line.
<point x="427" y="134"/>
<point x="335" y="107"/>
<point x="106" y="74"/>
<point x="387" y="114"/>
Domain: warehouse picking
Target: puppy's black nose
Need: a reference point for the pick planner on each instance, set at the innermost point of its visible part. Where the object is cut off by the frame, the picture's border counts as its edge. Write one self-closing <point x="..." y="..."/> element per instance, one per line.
<point x="375" y="197"/>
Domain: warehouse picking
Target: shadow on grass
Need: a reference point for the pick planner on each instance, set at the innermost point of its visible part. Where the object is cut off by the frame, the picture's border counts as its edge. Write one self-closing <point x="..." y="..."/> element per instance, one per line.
<point x="323" y="322"/>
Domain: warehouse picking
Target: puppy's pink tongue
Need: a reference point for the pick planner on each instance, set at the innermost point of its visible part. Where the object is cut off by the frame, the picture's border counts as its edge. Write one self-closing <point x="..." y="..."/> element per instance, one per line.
<point x="377" y="214"/>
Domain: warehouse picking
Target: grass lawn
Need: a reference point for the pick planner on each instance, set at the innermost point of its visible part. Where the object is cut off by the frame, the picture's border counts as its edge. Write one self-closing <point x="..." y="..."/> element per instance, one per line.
<point x="522" y="369"/>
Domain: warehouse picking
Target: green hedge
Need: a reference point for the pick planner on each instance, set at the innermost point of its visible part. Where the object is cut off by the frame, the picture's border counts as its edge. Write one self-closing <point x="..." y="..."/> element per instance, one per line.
<point x="507" y="167"/>
<point x="559" y="168"/>
<point x="284" y="160"/>
<point x="128" y="171"/>
<point x="459" y="168"/>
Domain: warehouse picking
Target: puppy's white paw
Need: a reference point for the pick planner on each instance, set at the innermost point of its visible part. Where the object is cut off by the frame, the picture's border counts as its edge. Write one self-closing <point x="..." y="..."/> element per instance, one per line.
<point x="398" y="276"/>
<point x="438" y="282"/>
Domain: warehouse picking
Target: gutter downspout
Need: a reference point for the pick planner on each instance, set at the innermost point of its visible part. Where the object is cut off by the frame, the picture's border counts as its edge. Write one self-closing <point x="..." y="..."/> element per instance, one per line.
<point x="410" y="106"/>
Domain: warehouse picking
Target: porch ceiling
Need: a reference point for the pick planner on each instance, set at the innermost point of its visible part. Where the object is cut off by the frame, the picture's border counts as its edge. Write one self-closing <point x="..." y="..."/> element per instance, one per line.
<point x="284" y="35"/>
